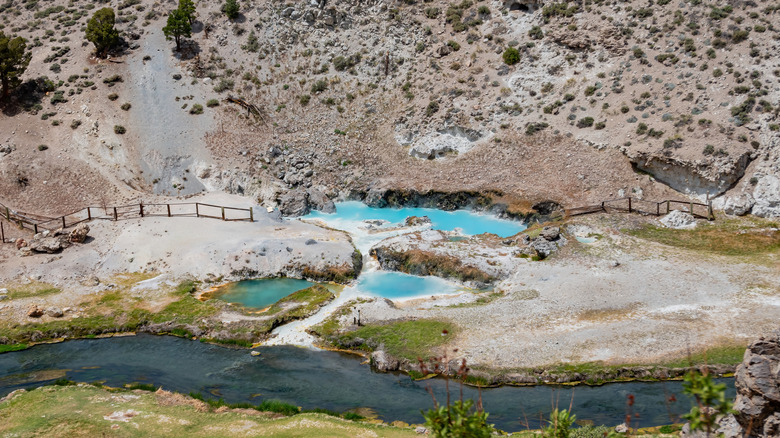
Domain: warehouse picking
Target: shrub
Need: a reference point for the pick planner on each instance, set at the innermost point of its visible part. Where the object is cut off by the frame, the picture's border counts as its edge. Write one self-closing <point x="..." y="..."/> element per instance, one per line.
<point x="126" y="106"/>
<point x="432" y="12"/>
<point x="119" y="129"/>
<point x="196" y="109"/>
<point x="739" y="36"/>
<point x="304" y="100"/>
<point x="536" y="33"/>
<point x="319" y="86"/>
<point x="224" y="84"/>
<point x="42" y="147"/>
<point x="212" y="103"/>
<point x="585" y="122"/>
<point x="75" y="124"/>
<point x="511" y="56"/>
<point x="432" y="108"/>
<point x="113" y="96"/>
<point x="453" y="45"/>
<point x="111" y="80"/>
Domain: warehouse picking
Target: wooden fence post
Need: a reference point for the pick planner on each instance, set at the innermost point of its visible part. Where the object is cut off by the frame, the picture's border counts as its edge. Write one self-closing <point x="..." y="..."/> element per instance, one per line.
<point x="169" y="209"/>
<point x="197" y="213"/>
<point x="690" y="209"/>
<point x="602" y="206"/>
<point x="2" y="233"/>
<point x="657" y="208"/>
<point x="223" y="213"/>
<point x="251" y="215"/>
<point x="142" y="209"/>
<point x="116" y="216"/>
<point x="89" y="214"/>
<point x="8" y="214"/>
<point x="63" y="222"/>
<point x="35" y="228"/>
<point x="668" y="202"/>
<point x="629" y="204"/>
<point x="710" y="213"/>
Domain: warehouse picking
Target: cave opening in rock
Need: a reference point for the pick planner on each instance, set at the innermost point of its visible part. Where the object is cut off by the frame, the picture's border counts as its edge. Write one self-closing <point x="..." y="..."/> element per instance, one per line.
<point x="519" y="7"/>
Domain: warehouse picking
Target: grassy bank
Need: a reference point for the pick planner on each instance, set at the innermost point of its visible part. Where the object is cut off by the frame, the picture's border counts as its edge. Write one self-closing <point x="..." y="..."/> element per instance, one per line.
<point x="87" y="411"/>
<point x="421" y="338"/>
<point x="169" y="311"/>
<point x="738" y="237"/>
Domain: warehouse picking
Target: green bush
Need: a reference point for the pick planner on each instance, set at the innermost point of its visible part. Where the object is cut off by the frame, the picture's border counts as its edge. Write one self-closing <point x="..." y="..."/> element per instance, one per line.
<point x="319" y="86"/>
<point x="460" y="419"/>
<point x="585" y="122"/>
<point x="511" y="56"/>
<point x="119" y="129"/>
<point x="536" y="33"/>
<point x="126" y="106"/>
<point x="304" y="100"/>
<point x="432" y="108"/>
<point x="453" y="45"/>
<point x="230" y="8"/>
<point x="196" y="109"/>
<point x="113" y="96"/>
<point x="212" y="103"/>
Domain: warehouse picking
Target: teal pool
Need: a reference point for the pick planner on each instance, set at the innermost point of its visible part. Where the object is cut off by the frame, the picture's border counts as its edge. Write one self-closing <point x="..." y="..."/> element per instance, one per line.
<point x="261" y="293"/>
<point x="399" y="286"/>
<point x="351" y="214"/>
<point x="585" y="239"/>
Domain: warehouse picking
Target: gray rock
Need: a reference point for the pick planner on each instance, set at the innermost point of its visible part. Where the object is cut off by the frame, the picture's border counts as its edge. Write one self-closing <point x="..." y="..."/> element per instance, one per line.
<point x="757" y="381"/>
<point x="35" y="312"/>
<point x="319" y="201"/>
<point x="382" y="362"/>
<point x="543" y="247"/>
<point x="679" y="220"/>
<point x="42" y="242"/>
<point x="54" y="312"/>
<point x="551" y="233"/>
<point x="739" y="205"/>
<point x="420" y="430"/>
<point x="294" y="203"/>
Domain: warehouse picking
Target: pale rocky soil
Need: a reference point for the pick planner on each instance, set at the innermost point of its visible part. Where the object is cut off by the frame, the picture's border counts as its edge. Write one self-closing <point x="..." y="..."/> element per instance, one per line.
<point x="578" y="306"/>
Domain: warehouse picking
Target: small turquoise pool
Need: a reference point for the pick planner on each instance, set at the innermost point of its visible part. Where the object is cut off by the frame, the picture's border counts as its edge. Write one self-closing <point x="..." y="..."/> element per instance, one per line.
<point x="351" y="215"/>
<point x="397" y="285"/>
<point x="585" y="239"/>
<point x="261" y="293"/>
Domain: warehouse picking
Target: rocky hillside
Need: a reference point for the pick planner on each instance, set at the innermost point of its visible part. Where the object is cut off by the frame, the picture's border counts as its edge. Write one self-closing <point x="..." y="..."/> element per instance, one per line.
<point x="532" y="100"/>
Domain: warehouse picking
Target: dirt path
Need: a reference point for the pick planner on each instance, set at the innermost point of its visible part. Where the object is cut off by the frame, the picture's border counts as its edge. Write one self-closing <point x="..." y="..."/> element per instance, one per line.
<point x="170" y="140"/>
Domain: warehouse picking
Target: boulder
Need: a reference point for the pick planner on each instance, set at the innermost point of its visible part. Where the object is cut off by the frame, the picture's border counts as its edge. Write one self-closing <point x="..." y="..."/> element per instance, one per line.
<point x="551" y="233"/>
<point x="543" y="247"/>
<point x="319" y="201"/>
<point x="47" y="243"/>
<point x="414" y="221"/>
<point x="79" y="234"/>
<point x="679" y="220"/>
<point x="35" y="312"/>
<point x="757" y="381"/>
<point x="54" y="312"/>
<point x="739" y="205"/>
<point x="294" y="203"/>
<point x="382" y="362"/>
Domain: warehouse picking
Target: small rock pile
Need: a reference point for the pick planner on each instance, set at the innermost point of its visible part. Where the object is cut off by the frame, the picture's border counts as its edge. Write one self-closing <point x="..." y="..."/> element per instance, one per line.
<point x="546" y="243"/>
<point x="51" y="242"/>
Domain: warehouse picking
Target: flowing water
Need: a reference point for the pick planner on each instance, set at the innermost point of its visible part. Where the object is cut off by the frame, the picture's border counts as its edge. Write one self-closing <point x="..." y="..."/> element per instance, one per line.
<point x="318" y="379"/>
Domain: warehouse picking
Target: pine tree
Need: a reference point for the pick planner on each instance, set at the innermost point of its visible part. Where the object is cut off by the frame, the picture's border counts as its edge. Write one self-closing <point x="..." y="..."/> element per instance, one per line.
<point x="14" y="60"/>
<point x="188" y="7"/>
<point x="177" y="27"/>
<point x="231" y="9"/>
<point x="101" y="31"/>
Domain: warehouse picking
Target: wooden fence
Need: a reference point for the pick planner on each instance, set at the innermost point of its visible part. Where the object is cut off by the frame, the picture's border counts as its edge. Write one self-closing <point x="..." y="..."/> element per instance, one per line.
<point x="634" y="205"/>
<point x="37" y="223"/>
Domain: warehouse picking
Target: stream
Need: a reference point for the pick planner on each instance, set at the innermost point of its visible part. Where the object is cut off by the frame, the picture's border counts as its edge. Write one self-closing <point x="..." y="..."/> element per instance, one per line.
<point x="319" y="379"/>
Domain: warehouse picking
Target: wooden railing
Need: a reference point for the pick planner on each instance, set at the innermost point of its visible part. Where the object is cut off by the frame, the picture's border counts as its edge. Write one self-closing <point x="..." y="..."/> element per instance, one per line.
<point x="37" y="223"/>
<point x="634" y="205"/>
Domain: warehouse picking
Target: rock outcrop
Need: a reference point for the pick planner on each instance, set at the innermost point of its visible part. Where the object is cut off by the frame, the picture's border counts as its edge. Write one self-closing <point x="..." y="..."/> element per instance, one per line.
<point x="758" y="389"/>
<point x="79" y="234"/>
